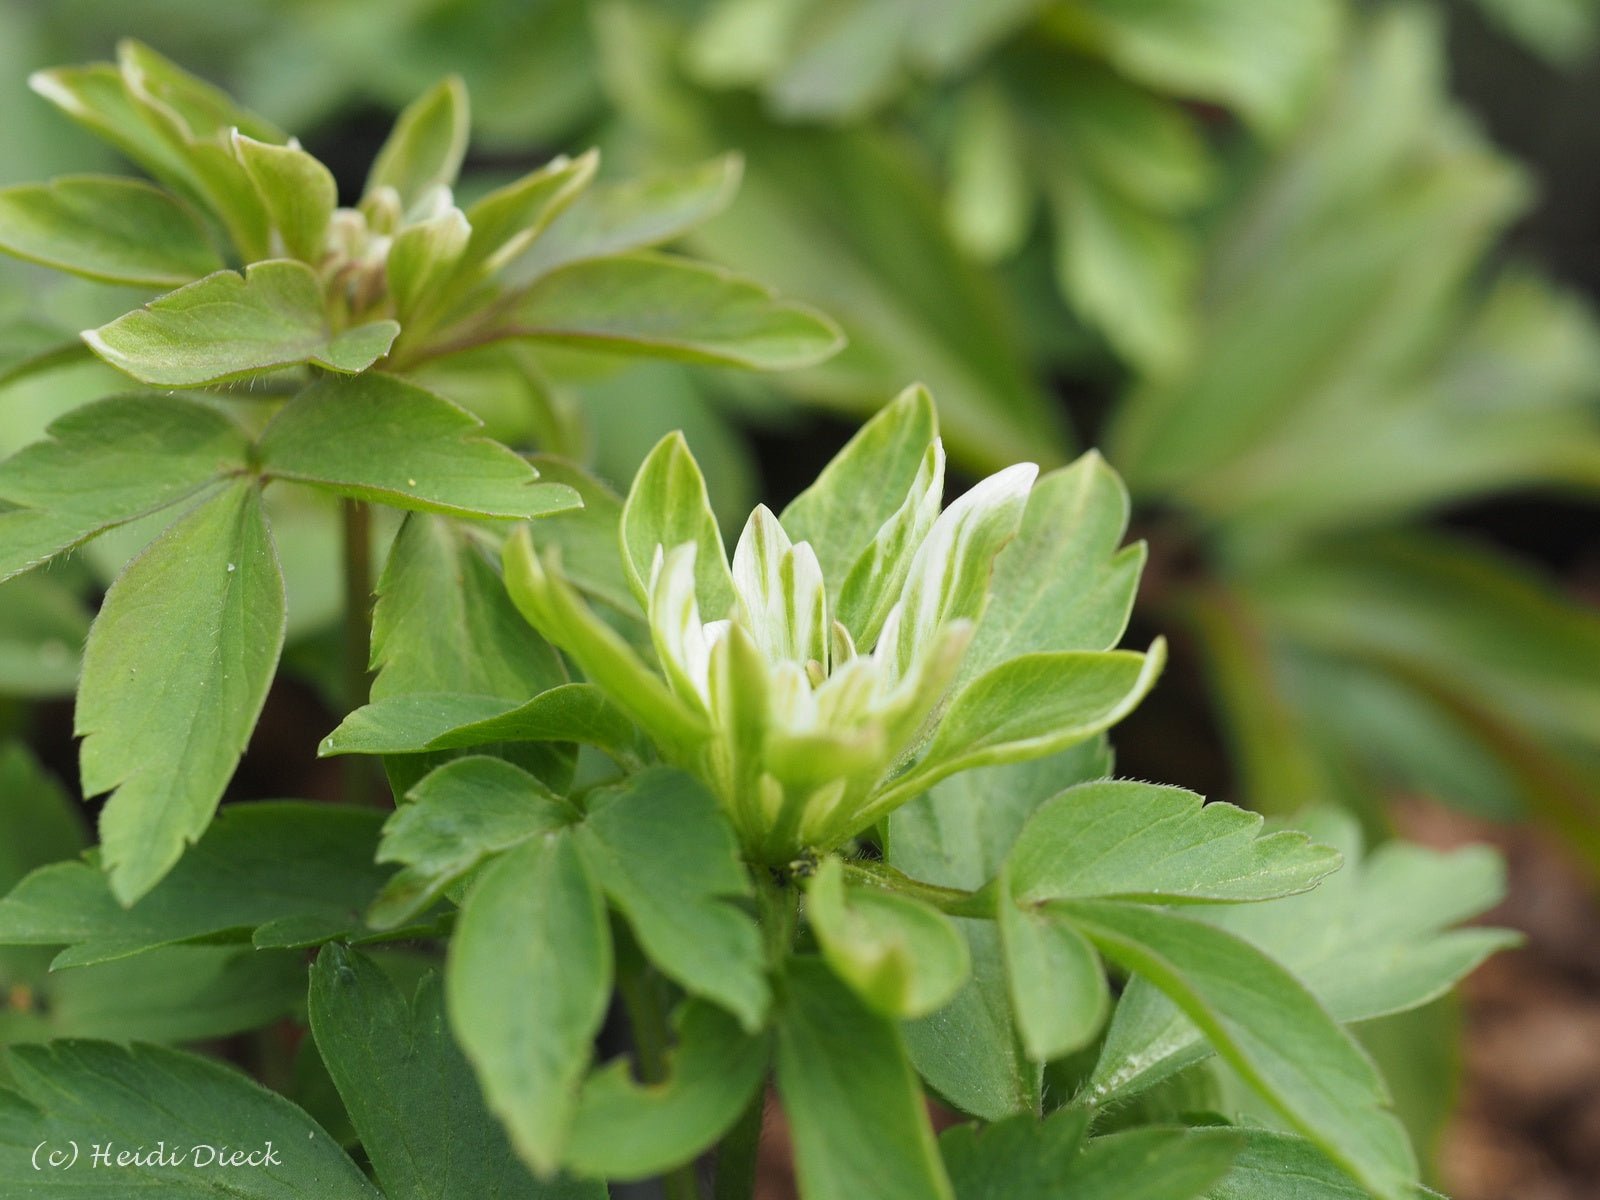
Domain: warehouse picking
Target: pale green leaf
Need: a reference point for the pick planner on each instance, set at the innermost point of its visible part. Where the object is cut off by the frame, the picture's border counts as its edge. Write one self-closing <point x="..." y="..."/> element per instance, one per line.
<point x="625" y="1130"/>
<point x="902" y="958"/>
<point x="1136" y="841"/>
<point x="229" y="325"/>
<point x="423" y="258"/>
<point x="374" y="437"/>
<point x="275" y="873"/>
<point x="299" y="194"/>
<point x="666" y="508"/>
<point x="410" y="1092"/>
<point x="460" y="815"/>
<point x="112" y="230"/>
<point x="145" y="1095"/>
<point x="533" y="919"/>
<point x="661" y="306"/>
<point x="1268" y="1027"/>
<point x="106" y="463"/>
<point x="637" y="840"/>
<point x="425" y="148"/>
<point x="509" y="218"/>
<point x="174" y="675"/>
<point x="855" y="1111"/>
<point x="1057" y="986"/>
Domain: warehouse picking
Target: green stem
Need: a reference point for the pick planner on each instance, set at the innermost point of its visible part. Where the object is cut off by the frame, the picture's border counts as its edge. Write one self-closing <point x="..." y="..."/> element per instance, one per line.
<point x="952" y="901"/>
<point x="358" y="778"/>
<point x="740" y="1152"/>
<point x="646" y="1017"/>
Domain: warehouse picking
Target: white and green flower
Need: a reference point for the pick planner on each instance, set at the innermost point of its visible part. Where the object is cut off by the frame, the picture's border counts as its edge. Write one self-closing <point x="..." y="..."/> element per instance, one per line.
<point x="862" y="645"/>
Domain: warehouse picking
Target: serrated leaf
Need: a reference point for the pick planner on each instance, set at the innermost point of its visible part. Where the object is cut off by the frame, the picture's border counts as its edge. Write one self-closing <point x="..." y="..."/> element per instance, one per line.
<point x="145" y="1095"/>
<point x="665" y="307"/>
<point x="411" y="1093"/>
<point x="460" y="815"/>
<point x="1057" y="986"/>
<point x="902" y="958"/>
<point x="107" y="229"/>
<point x="228" y="325"/>
<point x="864" y="486"/>
<point x="298" y="192"/>
<point x="625" y="1130"/>
<point x="274" y="873"/>
<point x="615" y="218"/>
<point x="1061" y="584"/>
<point x="1136" y="841"/>
<point x="667" y="507"/>
<point x="1268" y="1027"/>
<point x="425" y="148"/>
<point x="106" y="463"/>
<point x="636" y="840"/>
<point x="533" y="917"/>
<point x="174" y="675"/>
<point x="374" y="437"/>
<point x="855" y="1110"/>
<point x="420" y="722"/>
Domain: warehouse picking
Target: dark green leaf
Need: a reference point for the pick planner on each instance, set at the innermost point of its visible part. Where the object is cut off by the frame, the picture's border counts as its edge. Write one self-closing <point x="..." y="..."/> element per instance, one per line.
<point x="175" y="673"/>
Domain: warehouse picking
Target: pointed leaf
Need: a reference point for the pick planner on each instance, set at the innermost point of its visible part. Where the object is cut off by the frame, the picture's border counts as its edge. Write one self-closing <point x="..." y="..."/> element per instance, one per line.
<point x="666" y="508"/>
<point x="460" y="815"/>
<point x="146" y="1095"/>
<point x="637" y="839"/>
<point x="624" y="1130"/>
<point x="375" y="438"/>
<point x="228" y="325"/>
<point x="175" y="673"/>
<point x="425" y="148"/>
<point x="664" y="307"/>
<point x="1137" y="841"/>
<point x="112" y="230"/>
<point x="106" y="463"/>
<point x="410" y="1092"/>
<point x="299" y="194"/>
<point x="278" y="873"/>
<point x="854" y="1107"/>
<point x="528" y="982"/>
<point x="1269" y="1028"/>
<point x="902" y="958"/>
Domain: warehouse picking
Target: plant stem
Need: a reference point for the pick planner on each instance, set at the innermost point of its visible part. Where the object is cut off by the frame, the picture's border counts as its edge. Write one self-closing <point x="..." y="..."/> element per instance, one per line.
<point x="952" y="901"/>
<point x="642" y="1001"/>
<point x="740" y="1152"/>
<point x="358" y="585"/>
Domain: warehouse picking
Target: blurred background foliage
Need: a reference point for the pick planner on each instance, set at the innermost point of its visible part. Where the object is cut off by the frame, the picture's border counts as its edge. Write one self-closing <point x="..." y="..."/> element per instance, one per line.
<point x="1265" y="255"/>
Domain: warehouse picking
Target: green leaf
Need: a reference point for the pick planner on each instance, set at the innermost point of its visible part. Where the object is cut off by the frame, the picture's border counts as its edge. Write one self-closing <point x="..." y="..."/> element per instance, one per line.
<point x="1268" y="1027"/>
<point x="866" y="485"/>
<point x="111" y="230"/>
<point x="1136" y="841"/>
<point x="667" y="507"/>
<point x="174" y="675"/>
<point x="901" y="957"/>
<point x="587" y="539"/>
<point x="41" y="822"/>
<point x="144" y="1095"/>
<point x="638" y="841"/>
<point x="373" y="437"/>
<point x="423" y="259"/>
<point x="278" y="874"/>
<point x="410" y="1092"/>
<point x="1024" y="1159"/>
<point x="615" y="218"/>
<point x="1029" y="707"/>
<point x="556" y="611"/>
<point x="228" y="325"/>
<point x="1273" y="1165"/>
<point x="426" y="146"/>
<point x="429" y="721"/>
<point x="106" y="463"/>
<point x="533" y="919"/>
<point x="1057" y="986"/>
<point x="299" y="194"/>
<point x="509" y="218"/>
<point x="854" y="1107"/>
<point x="461" y="814"/>
<point x="1061" y="584"/>
<point x="43" y="624"/>
<point x="665" y="307"/>
<point x="625" y="1130"/>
